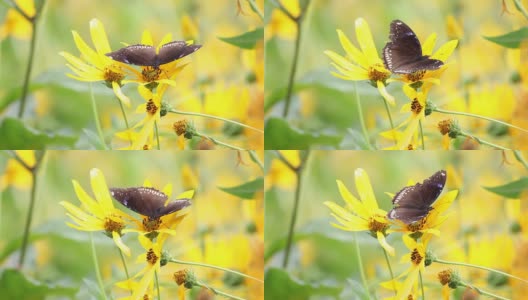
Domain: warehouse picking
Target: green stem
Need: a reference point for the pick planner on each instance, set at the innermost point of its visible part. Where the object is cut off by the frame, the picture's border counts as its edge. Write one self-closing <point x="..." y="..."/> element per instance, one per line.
<point x="520" y="8"/>
<point x="29" y="67"/>
<point x="293" y="69"/>
<point x="481" y="141"/>
<point x="440" y="261"/>
<point x="520" y="158"/>
<point x="421" y="284"/>
<point x="157" y="284"/>
<point x="361" y="118"/>
<point x="33" y="197"/>
<point x="390" y="271"/>
<point x="360" y="265"/>
<point x="125" y="118"/>
<point x="96" y="266"/>
<point x="157" y="134"/>
<point x="390" y="119"/>
<point x="299" y="174"/>
<point x="421" y="134"/>
<point x="255" y="159"/>
<point x="255" y="8"/>
<point x="124" y="265"/>
<point x="477" y="116"/>
<point x="217" y="142"/>
<point x="96" y="118"/>
<point x="181" y="262"/>
<point x="217" y="292"/>
<point x="482" y="292"/>
<point x="212" y="117"/>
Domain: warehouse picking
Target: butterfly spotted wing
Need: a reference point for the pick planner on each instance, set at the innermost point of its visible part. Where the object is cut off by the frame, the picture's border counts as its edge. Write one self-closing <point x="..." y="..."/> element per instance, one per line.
<point x="140" y="55"/>
<point x="413" y="203"/>
<point x="145" y="55"/>
<point x="175" y="50"/>
<point x="147" y="201"/>
<point x="403" y="53"/>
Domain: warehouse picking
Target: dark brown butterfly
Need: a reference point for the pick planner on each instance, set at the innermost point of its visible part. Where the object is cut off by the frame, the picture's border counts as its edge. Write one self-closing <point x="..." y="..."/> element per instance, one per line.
<point x="145" y="55"/>
<point x="403" y="54"/>
<point x="413" y="203"/>
<point x="148" y="201"/>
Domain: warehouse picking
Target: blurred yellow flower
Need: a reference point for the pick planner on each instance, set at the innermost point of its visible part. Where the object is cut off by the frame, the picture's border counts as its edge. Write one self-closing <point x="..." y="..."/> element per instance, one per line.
<point x="189" y="28"/>
<point x="15" y="174"/>
<point x="279" y="174"/>
<point x="280" y="24"/>
<point x="364" y="215"/>
<point x="15" y="24"/>
<point x="361" y="65"/>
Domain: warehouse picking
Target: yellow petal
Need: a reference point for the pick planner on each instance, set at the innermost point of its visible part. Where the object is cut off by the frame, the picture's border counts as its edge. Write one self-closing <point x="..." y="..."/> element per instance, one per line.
<point x="444" y="52"/>
<point x="364" y="188"/>
<point x="354" y="54"/>
<point x="352" y="203"/>
<point x="364" y="37"/>
<point x="119" y="93"/>
<point x="383" y="91"/>
<point x="384" y="244"/>
<point x="99" y="37"/>
<point x="186" y="195"/>
<point x="100" y="190"/>
<point x="428" y="45"/>
<point x="146" y="38"/>
<point x="119" y="243"/>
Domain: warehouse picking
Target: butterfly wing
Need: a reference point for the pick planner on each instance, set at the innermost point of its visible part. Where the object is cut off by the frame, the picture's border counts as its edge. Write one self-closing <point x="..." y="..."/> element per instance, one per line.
<point x="172" y="206"/>
<point x="403" y="53"/>
<point x="413" y="203"/>
<point x="140" y="55"/>
<point x="143" y="200"/>
<point x="175" y="50"/>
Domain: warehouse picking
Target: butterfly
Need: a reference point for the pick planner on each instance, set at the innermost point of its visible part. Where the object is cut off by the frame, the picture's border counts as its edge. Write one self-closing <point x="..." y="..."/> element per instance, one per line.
<point x="403" y="54"/>
<point x="145" y="55"/>
<point x="148" y="201"/>
<point x="413" y="203"/>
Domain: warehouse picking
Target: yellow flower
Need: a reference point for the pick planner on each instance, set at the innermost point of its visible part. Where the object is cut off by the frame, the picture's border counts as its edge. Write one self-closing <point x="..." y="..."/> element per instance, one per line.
<point x="361" y="65"/>
<point x="16" y="174"/>
<point x="429" y="224"/>
<point x="152" y="257"/>
<point x="279" y="174"/>
<point x="152" y="108"/>
<point x="429" y="77"/>
<point x="280" y="24"/>
<point x="165" y="224"/>
<point x="15" y="24"/>
<point x="189" y="28"/>
<point x="98" y="214"/>
<point x="151" y="76"/>
<point x="361" y="215"/>
<point x="94" y="65"/>
<point x="417" y="259"/>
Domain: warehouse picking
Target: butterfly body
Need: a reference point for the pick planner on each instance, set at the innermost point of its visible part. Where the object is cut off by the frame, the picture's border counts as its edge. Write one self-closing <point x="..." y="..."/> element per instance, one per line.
<point x="148" y="201"/>
<point x="413" y="203"/>
<point x="403" y="53"/>
<point x="145" y="55"/>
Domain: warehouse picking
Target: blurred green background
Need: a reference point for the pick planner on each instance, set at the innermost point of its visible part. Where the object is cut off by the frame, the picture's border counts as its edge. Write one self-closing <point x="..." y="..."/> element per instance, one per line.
<point x="323" y="264"/>
<point x="220" y="229"/>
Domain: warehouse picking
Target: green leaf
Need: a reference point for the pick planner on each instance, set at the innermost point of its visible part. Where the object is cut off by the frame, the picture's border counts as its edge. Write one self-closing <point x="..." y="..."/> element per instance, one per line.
<point x="94" y="139"/>
<point x="512" y="189"/>
<point x="319" y="79"/>
<point x="15" y="285"/>
<point x="15" y="93"/>
<point x="246" y="40"/>
<point x="15" y="135"/>
<point x="246" y="190"/>
<point x="282" y="285"/>
<point x="510" y="40"/>
<point x="279" y="135"/>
